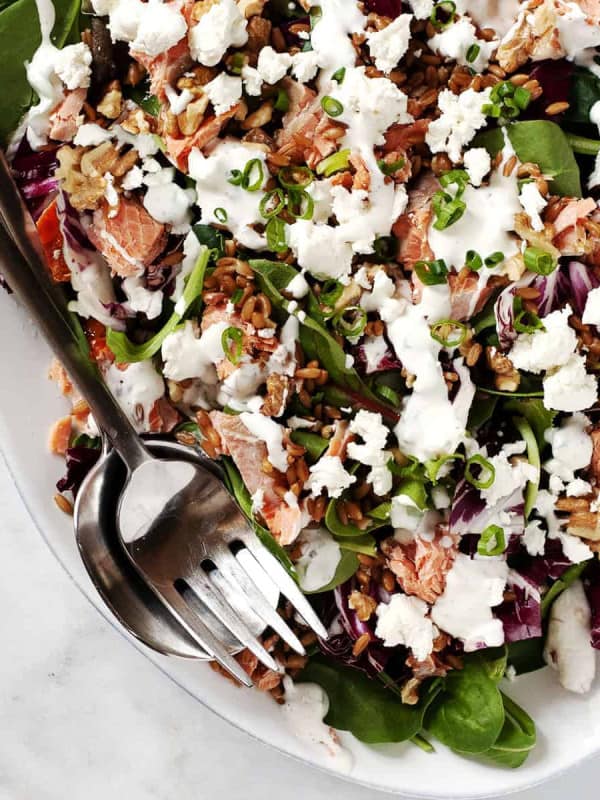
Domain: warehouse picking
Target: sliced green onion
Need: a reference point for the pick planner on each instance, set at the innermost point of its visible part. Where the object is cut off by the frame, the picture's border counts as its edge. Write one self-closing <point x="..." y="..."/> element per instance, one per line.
<point x="494" y="258"/>
<point x="300" y="204"/>
<point x="472" y="53"/>
<point x="447" y="209"/>
<point x="334" y="163"/>
<point x="272" y="203"/>
<point x="507" y="101"/>
<point x="525" y="321"/>
<point x="432" y="273"/>
<point x="235" y="177"/>
<point x="331" y="292"/>
<point x="220" y="215"/>
<point x="433" y="467"/>
<point x="473" y="260"/>
<point x="331" y="106"/>
<point x="458" y="177"/>
<point x="449" y="332"/>
<point x="282" y="101"/>
<point x="275" y="232"/>
<point x="236" y="63"/>
<point x="390" y="169"/>
<point x="443" y="15"/>
<point x="295" y="177"/>
<point x="539" y="261"/>
<point x="339" y="75"/>
<point x="253" y="176"/>
<point x="486" y="476"/>
<point x="522" y="97"/>
<point x="351" y="322"/>
<point x="231" y="341"/>
<point x="492" y="541"/>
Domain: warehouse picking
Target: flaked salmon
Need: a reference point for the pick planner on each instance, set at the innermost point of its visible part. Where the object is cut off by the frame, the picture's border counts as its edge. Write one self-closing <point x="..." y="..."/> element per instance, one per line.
<point x="421" y="566"/>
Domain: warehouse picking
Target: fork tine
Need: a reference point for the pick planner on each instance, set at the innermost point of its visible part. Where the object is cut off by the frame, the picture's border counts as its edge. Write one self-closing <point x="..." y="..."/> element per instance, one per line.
<point x="200" y="583"/>
<point x="284" y="582"/>
<point x="233" y="571"/>
<point x="200" y="632"/>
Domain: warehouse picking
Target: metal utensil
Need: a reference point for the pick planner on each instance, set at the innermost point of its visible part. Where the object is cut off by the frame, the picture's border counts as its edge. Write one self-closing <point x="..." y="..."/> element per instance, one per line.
<point x="169" y="510"/>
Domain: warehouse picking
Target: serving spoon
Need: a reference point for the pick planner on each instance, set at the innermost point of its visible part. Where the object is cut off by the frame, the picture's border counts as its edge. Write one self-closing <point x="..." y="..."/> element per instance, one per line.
<point x="175" y="519"/>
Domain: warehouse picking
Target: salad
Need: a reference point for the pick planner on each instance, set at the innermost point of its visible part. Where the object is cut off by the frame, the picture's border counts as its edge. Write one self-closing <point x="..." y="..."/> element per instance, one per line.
<point x="351" y="249"/>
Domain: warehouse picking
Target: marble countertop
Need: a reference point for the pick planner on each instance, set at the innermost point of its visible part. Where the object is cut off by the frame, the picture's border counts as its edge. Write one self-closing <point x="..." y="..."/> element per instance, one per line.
<point x="84" y="715"/>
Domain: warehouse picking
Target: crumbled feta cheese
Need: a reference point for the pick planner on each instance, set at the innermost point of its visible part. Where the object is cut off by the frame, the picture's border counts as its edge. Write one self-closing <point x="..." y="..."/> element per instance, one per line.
<point x="298" y="287"/>
<point x="571" y="447"/>
<point x="374" y="348"/>
<point x="579" y="488"/>
<point x="370" y="428"/>
<point x="405" y="514"/>
<point x="570" y="388"/>
<point x="223" y="26"/>
<point x="468" y="614"/>
<point x="320" y="556"/>
<point x="320" y="250"/>
<point x="252" y="81"/>
<point x="132" y="179"/>
<point x="272" y="66"/>
<point x="224" y="91"/>
<point x="507" y="478"/>
<point x="271" y="433"/>
<point x="576" y="30"/>
<point x="478" y="163"/>
<point x="460" y="120"/>
<point x="422" y="8"/>
<point x="72" y="64"/>
<point x="573" y="547"/>
<point x="534" y="538"/>
<point x="140" y="299"/>
<point x="404" y="621"/>
<point x="591" y="312"/>
<point x="533" y="203"/>
<point x="186" y="356"/>
<point x="458" y="42"/>
<point x="161" y="26"/>
<point x="543" y="350"/>
<point x="305" y="65"/>
<point x="388" y="45"/>
<point x="178" y="102"/>
<point x="568" y="648"/>
<point x="328" y="473"/>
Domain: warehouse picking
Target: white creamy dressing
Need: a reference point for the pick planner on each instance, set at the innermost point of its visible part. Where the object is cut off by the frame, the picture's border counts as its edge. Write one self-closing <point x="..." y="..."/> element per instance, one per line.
<point x="305" y="706"/>
<point x="214" y="191"/>
<point x="271" y="433"/>
<point x="496" y="14"/>
<point x="186" y="356"/>
<point x="136" y="389"/>
<point x="320" y="557"/>
<point x="405" y="621"/>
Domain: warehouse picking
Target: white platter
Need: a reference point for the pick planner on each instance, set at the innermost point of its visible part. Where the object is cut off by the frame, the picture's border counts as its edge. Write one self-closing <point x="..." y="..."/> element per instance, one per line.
<point x="568" y="725"/>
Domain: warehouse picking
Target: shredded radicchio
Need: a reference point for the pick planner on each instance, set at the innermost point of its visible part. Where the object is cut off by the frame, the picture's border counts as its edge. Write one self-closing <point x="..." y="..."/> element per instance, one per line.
<point x="591" y="583"/>
<point x="34" y="174"/>
<point x="471" y="515"/>
<point x="581" y="281"/>
<point x="79" y="461"/>
<point x="385" y="8"/>
<point x="505" y="315"/>
<point x="521" y="615"/>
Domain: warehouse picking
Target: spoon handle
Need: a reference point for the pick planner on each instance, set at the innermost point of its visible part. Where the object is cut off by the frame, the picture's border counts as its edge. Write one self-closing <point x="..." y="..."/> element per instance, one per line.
<point x="30" y="281"/>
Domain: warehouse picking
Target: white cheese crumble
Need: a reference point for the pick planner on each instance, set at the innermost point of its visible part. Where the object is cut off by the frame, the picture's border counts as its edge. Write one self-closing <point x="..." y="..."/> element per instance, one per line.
<point x="543" y="350"/>
<point x="568" y="648"/>
<point x="571" y="447"/>
<point x="461" y="118"/>
<point x="404" y="621"/>
<point x="374" y="349"/>
<point x="73" y="65"/>
<point x="224" y="91"/>
<point x="387" y="46"/>
<point x="252" y="80"/>
<point x="591" y="312"/>
<point x="329" y="473"/>
<point x="569" y="387"/>
<point x="468" y="614"/>
<point x="458" y="42"/>
<point x="305" y="66"/>
<point x="370" y="428"/>
<point x="222" y="27"/>
<point x="478" y="163"/>
<point x="422" y="8"/>
<point x="533" y="204"/>
<point x="151" y="28"/>
<point x="507" y="477"/>
<point x="534" y="538"/>
<point x="272" y="66"/>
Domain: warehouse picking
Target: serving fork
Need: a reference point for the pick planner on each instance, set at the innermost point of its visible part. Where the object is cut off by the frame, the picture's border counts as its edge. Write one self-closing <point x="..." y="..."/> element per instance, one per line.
<point x="177" y="523"/>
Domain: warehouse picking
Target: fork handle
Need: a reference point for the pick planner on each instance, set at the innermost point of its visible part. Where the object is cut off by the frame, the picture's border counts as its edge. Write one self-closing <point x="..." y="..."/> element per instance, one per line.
<point x="32" y="284"/>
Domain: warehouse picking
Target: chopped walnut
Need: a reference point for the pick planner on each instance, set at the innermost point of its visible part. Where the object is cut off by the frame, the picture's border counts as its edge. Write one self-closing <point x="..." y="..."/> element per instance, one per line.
<point x="363" y="605"/>
<point x="112" y="102"/>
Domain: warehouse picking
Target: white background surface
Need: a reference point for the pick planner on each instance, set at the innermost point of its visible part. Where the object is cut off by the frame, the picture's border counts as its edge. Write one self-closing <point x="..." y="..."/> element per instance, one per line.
<point x="84" y="716"/>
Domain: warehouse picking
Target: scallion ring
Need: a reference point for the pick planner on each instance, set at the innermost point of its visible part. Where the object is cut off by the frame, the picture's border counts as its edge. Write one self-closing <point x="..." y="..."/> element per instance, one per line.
<point x="331" y="106"/>
<point x="220" y="215"/>
<point x="253" y="176"/>
<point x="447" y="209"/>
<point x="492" y="541"/>
<point x="331" y="291"/>
<point x="300" y="204"/>
<point x="272" y="203"/>
<point x="334" y="163"/>
<point x="525" y="321"/>
<point x="236" y="177"/>
<point x="339" y="75"/>
<point x="487" y="473"/>
<point x="231" y="341"/>
<point x="295" y="177"/>
<point x="458" y="177"/>
<point x="389" y="169"/>
<point x="449" y="333"/>
<point x="472" y="53"/>
<point x="432" y="273"/>
<point x="443" y="15"/>
<point x="350" y="322"/>
<point x="473" y="260"/>
<point x="494" y="258"/>
<point x="539" y="261"/>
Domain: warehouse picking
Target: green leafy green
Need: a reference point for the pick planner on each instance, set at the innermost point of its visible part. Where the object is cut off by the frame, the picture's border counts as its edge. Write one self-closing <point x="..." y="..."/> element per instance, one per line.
<point x="346" y="568"/>
<point x="364" y="706"/>
<point x="526" y="655"/>
<point x="585" y="91"/>
<point x="468" y="714"/>
<point x="517" y="737"/>
<point x="358" y="544"/>
<point x="583" y="145"/>
<point x="533" y="455"/>
<point x="568" y="577"/>
<point x="315" y="445"/>
<point x="237" y="488"/>
<point x="482" y="410"/>
<point x="534" y="411"/>
<point x="540" y="142"/>
<point x="128" y="352"/>
<point x="141" y="95"/>
<point x="20" y="37"/>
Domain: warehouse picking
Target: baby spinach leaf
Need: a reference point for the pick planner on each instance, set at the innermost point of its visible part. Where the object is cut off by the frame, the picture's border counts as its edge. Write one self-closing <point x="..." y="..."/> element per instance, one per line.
<point x="20" y="37"/>
<point x="543" y="143"/>
<point x="517" y="737"/>
<point x="344" y="530"/>
<point x="127" y="352"/>
<point x="347" y="566"/>
<point x="585" y="91"/>
<point x="365" y="544"/>
<point x="482" y="410"/>
<point x="568" y="577"/>
<point x="533" y="456"/>
<point x="468" y="714"/>
<point x="526" y="655"/>
<point x="364" y="706"/>
<point x="534" y="411"/>
<point x="237" y="488"/>
<point x="315" y="445"/>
